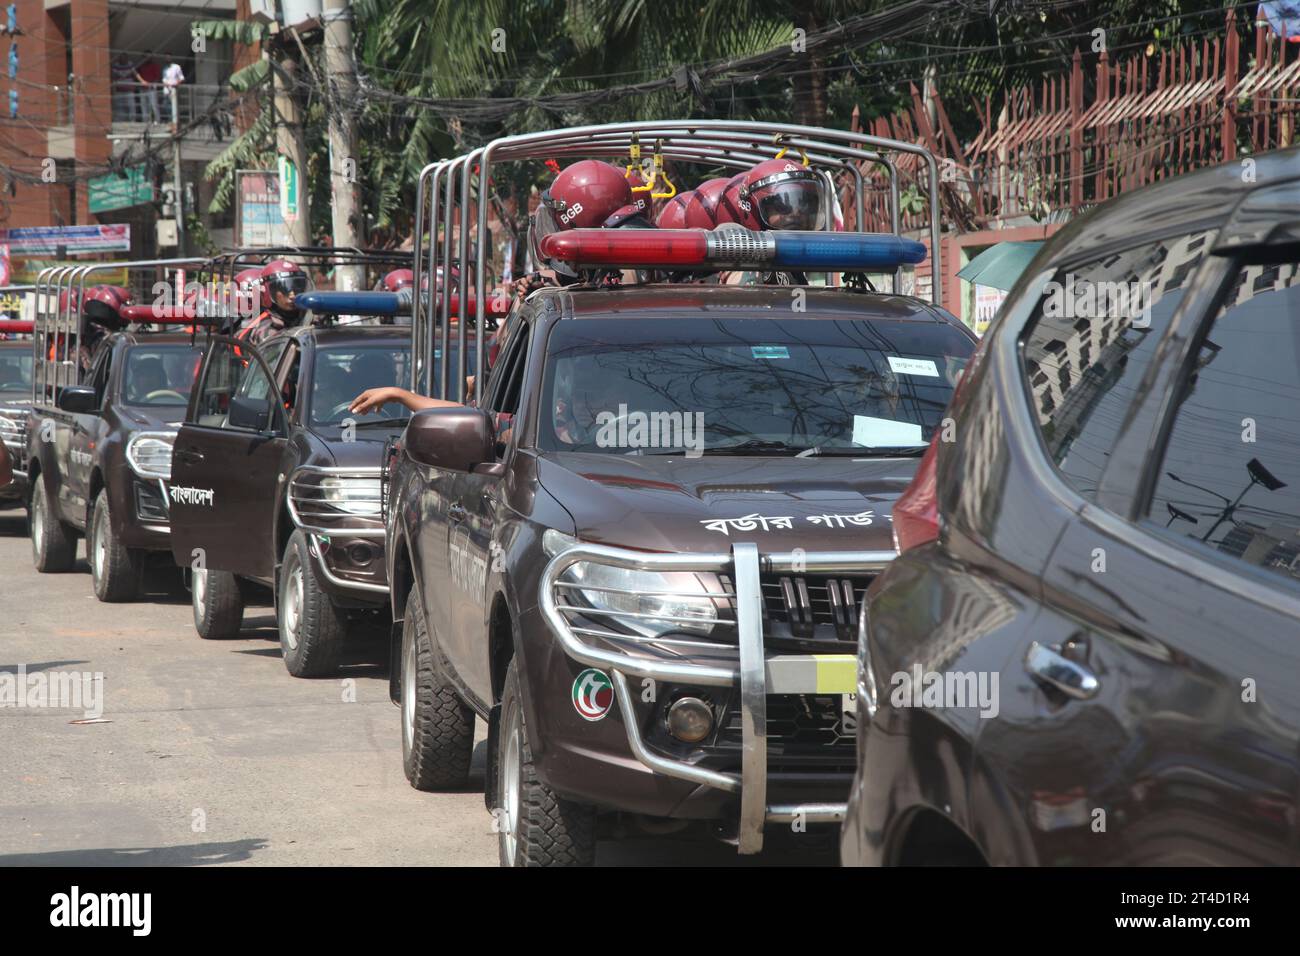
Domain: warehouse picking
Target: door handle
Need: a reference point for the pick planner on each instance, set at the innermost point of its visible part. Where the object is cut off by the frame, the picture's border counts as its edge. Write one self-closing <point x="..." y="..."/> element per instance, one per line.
<point x="1048" y="666"/>
<point x="456" y="513"/>
<point x="189" y="456"/>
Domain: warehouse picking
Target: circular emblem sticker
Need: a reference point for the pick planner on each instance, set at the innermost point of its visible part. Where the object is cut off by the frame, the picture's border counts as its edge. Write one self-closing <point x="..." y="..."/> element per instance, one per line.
<point x="593" y="694"/>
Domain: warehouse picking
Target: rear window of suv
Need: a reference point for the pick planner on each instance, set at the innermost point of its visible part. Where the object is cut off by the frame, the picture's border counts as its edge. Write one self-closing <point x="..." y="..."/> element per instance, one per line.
<point x="1092" y="337"/>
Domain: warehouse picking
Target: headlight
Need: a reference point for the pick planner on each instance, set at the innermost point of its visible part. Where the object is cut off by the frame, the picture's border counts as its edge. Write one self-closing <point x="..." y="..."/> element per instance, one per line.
<point x="633" y="592"/>
<point x="150" y="455"/>
<point x="11" y="431"/>
<point x="354" y="496"/>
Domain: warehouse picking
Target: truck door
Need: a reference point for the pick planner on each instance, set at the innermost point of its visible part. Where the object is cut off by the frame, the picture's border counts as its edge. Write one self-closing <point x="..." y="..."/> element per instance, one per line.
<point x="473" y="545"/>
<point x="226" y="463"/>
<point x="83" y="435"/>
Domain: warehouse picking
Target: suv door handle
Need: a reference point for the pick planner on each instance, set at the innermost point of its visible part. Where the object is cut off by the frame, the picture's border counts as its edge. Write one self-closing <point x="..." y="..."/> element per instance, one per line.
<point x="189" y="456"/>
<point x="456" y="513"/>
<point x="1048" y="666"/>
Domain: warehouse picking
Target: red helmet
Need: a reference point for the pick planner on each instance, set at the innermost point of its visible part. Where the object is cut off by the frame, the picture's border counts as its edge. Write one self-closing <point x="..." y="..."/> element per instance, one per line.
<point x="398" y="279"/>
<point x="684" y="211"/>
<point x="587" y="193"/>
<point x="709" y="197"/>
<point x="732" y="207"/>
<point x="784" y="194"/>
<point x="631" y="216"/>
<point x="248" y="277"/>
<point x="103" y="305"/>
<point x="280" y="277"/>
<point x="642" y="201"/>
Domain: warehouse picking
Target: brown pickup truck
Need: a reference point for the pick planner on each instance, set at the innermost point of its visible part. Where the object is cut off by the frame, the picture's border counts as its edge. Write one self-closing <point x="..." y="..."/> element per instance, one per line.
<point x="641" y="559"/>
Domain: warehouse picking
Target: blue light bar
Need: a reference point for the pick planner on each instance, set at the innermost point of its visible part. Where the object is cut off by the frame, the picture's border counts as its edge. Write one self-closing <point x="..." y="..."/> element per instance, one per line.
<point x="355" y="303"/>
<point x="844" y="250"/>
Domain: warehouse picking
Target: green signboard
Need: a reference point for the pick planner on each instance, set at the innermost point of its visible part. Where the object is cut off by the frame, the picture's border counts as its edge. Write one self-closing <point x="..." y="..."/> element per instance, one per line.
<point x="288" y="189"/>
<point x="118" y="192"/>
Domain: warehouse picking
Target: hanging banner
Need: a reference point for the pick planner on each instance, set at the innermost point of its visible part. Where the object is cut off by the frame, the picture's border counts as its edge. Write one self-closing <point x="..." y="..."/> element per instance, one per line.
<point x="46" y="240"/>
<point x="288" y="189"/>
<point x="258" y="211"/>
<point x="4" y="264"/>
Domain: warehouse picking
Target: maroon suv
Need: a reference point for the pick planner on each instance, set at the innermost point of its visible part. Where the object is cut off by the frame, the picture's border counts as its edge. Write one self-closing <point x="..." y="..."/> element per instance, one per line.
<point x="641" y="559"/>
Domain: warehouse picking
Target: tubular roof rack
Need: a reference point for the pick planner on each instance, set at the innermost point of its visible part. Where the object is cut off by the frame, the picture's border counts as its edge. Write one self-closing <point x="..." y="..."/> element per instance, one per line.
<point x="445" y="185"/>
<point x="56" y="341"/>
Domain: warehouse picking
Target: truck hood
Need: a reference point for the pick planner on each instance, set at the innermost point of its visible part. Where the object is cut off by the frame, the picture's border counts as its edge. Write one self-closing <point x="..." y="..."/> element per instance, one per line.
<point x="665" y="503"/>
<point x="365" y="451"/>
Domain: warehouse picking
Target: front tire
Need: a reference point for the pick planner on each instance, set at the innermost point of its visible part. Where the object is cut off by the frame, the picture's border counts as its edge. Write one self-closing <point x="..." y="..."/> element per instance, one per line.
<point x="218" y="604"/>
<point x="437" y="726"/>
<point x="535" y="827"/>
<point x="115" y="570"/>
<point x="54" y="544"/>
<point x="312" y="628"/>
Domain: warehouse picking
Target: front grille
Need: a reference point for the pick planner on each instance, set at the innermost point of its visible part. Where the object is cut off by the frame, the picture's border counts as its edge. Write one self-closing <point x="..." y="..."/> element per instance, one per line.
<point x="811" y="607"/>
<point x="804" y="731"/>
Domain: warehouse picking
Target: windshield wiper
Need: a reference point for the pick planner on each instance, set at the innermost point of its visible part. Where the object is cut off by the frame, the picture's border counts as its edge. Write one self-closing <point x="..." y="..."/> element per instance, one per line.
<point x="376" y="421"/>
<point x="755" y="446"/>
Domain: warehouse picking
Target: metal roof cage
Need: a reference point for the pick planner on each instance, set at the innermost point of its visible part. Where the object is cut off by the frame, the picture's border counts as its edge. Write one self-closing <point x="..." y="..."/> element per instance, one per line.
<point x="446" y="187"/>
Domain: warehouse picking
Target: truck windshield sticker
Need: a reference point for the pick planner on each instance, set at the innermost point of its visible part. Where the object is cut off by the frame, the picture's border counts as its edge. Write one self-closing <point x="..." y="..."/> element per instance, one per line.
<point x="908" y="366"/>
<point x="593" y="694"/>
<point x="885" y="433"/>
<point x="769" y="351"/>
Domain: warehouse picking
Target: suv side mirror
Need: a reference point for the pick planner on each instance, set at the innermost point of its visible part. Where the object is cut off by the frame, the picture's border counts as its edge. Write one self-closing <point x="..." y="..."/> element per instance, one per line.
<point x="78" y="399"/>
<point x="251" y="413"/>
<point x="453" y="438"/>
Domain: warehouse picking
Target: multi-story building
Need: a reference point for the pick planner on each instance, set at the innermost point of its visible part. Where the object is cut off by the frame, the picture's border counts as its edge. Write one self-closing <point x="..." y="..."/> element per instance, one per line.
<point x="73" y="110"/>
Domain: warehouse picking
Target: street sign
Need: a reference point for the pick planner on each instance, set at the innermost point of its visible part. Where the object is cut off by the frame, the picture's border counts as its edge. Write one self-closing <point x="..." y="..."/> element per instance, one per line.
<point x="288" y="189"/>
<point x="120" y="192"/>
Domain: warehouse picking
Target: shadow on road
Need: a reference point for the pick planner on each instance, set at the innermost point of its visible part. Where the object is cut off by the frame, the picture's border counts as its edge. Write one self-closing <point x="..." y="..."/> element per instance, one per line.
<point x="196" y="854"/>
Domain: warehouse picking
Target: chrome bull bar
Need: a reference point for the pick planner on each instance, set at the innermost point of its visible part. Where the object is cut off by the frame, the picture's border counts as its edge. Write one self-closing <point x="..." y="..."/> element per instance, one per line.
<point x="758" y="673"/>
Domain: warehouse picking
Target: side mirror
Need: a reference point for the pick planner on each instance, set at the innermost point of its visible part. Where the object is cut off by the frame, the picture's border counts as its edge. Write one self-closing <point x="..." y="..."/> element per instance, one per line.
<point x="251" y="413"/>
<point x="78" y="399"/>
<point x="453" y="438"/>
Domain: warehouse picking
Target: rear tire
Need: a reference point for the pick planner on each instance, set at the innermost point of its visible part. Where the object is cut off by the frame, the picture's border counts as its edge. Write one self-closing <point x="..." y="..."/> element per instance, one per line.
<point x="115" y="571"/>
<point x="218" y="604"/>
<point x="437" y="726"/>
<point x="54" y="544"/>
<point x="535" y="827"/>
<point x="312" y="628"/>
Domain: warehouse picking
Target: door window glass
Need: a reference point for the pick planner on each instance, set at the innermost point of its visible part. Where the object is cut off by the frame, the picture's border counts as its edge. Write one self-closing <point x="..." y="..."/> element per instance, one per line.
<point x="232" y="376"/>
<point x="1230" y="477"/>
<point x="1092" y="339"/>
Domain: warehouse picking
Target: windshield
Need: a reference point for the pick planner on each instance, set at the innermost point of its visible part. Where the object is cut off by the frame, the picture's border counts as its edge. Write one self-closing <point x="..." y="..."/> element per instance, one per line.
<point x="748" y="386"/>
<point x="159" y="374"/>
<point x="16" y="369"/>
<point x="341" y="373"/>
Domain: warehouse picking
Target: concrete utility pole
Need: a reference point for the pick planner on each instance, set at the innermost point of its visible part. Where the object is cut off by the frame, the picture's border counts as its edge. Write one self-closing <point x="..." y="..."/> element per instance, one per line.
<point x="341" y="77"/>
<point x="289" y="137"/>
<point x="178" y="207"/>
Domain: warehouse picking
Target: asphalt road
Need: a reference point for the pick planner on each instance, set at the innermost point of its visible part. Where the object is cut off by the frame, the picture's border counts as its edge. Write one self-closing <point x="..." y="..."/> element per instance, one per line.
<point x="210" y="753"/>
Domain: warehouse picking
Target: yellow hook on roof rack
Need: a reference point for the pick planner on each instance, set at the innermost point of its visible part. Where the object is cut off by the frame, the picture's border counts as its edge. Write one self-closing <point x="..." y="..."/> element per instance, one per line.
<point x="776" y="141"/>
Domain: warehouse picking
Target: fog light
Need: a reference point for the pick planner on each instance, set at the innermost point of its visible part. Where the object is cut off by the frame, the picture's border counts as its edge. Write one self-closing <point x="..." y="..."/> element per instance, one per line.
<point x="690" y="720"/>
<point x="361" y="554"/>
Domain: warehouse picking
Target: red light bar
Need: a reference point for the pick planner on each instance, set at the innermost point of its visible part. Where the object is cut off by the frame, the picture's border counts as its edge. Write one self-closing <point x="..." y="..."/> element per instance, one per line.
<point x="17" y="326"/>
<point x="161" y="314"/>
<point x="653" y="248"/>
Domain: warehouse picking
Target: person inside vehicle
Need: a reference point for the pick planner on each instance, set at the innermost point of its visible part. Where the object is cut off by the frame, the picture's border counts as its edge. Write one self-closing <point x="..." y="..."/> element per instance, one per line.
<point x="281" y="283"/>
<point x="147" y="376"/>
